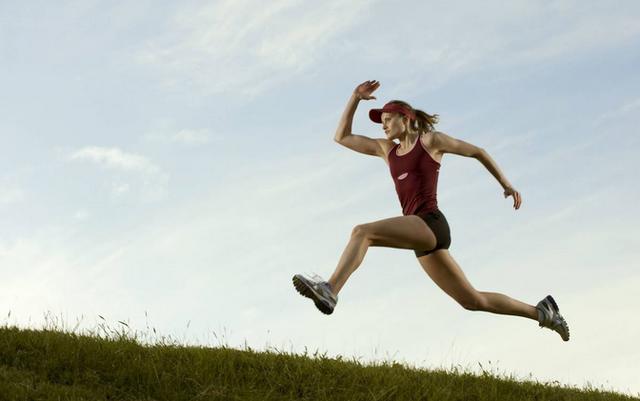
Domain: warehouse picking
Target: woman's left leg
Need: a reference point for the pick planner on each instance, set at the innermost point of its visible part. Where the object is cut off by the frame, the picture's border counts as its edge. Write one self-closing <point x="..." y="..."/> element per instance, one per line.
<point x="446" y="273"/>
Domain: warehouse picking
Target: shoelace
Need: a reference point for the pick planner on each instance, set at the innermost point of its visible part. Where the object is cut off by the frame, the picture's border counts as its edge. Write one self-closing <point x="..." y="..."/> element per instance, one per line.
<point x="320" y="283"/>
<point x="315" y="278"/>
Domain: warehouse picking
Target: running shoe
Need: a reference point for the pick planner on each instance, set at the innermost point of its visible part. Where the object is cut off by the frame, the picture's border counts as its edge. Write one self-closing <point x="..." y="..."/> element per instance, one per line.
<point x="318" y="290"/>
<point x="549" y="316"/>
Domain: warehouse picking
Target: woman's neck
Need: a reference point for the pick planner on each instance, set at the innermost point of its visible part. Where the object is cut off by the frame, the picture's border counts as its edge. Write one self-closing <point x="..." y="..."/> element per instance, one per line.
<point x="409" y="139"/>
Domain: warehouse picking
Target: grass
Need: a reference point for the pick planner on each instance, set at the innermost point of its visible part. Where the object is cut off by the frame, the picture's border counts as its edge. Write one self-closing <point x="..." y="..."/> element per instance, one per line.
<point x="55" y="364"/>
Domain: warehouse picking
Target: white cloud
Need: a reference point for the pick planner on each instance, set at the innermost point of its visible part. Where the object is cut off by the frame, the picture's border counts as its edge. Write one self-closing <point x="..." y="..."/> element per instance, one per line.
<point x="135" y="171"/>
<point x="247" y="46"/>
<point x="626" y="108"/>
<point x="192" y="137"/>
<point x="115" y="158"/>
<point x="498" y="36"/>
<point x="586" y="33"/>
<point x="186" y="137"/>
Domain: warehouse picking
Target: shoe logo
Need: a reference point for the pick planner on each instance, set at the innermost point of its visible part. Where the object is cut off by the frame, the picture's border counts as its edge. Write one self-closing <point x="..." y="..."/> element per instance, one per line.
<point x="403" y="176"/>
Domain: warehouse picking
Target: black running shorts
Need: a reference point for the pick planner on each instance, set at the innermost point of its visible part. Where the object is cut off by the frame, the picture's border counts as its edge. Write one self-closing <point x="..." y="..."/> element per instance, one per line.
<point x="438" y="224"/>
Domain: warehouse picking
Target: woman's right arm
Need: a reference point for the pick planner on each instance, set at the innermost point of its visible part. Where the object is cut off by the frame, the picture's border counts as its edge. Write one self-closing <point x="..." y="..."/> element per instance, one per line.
<point x="345" y="137"/>
<point x="344" y="126"/>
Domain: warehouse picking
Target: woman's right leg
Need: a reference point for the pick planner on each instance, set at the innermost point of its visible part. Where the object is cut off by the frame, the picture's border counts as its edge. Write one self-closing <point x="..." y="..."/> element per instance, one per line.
<point x="448" y="275"/>
<point x="404" y="232"/>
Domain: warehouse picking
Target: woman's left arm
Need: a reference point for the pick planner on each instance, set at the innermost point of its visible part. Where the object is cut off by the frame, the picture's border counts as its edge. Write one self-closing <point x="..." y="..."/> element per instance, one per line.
<point x="447" y="144"/>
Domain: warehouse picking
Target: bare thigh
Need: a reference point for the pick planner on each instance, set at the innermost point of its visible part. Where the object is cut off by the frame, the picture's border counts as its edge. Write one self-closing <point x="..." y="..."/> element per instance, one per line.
<point x="406" y="232"/>
<point x="448" y="275"/>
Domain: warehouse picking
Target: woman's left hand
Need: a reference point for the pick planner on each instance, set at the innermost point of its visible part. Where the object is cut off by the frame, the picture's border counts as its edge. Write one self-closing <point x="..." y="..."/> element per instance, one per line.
<point x="517" y="199"/>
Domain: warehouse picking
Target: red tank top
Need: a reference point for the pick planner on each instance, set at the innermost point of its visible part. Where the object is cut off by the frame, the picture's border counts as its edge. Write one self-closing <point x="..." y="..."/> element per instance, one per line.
<point x="415" y="175"/>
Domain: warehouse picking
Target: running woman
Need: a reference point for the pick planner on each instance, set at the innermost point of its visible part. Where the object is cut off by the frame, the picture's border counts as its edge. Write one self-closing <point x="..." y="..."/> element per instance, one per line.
<point x="414" y="163"/>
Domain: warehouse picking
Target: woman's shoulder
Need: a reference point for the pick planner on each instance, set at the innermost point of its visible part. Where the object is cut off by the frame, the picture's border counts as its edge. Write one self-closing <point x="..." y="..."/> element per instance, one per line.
<point x="430" y="139"/>
<point x="430" y="144"/>
<point x="444" y="143"/>
<point x="386" y="144"/>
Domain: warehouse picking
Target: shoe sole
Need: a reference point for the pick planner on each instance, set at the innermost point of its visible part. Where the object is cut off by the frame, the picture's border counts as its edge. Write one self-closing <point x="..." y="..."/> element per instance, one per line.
<point x="303" y="288"/>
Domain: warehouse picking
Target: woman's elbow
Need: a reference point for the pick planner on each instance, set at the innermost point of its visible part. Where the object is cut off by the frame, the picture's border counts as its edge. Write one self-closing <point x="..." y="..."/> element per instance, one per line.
<point x="479" y="153"/>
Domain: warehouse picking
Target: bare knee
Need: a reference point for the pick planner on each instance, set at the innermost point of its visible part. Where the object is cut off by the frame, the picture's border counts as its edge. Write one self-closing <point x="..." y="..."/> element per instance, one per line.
<point x="361" y="230"/>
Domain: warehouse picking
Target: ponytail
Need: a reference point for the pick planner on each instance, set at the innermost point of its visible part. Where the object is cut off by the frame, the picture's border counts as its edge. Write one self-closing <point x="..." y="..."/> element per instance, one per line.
<point x="424" y="122"/>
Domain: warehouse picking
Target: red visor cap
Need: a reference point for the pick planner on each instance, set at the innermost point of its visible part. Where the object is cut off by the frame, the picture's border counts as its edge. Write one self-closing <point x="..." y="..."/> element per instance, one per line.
<point x="376" y="114"/>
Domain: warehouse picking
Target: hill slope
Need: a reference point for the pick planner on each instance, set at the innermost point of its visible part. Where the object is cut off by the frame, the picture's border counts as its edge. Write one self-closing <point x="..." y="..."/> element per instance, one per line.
<point x="54" y="365"/>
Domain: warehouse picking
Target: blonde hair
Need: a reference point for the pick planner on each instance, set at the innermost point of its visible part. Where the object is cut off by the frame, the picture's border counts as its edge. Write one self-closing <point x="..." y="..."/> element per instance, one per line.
<point x="423" y="122"/>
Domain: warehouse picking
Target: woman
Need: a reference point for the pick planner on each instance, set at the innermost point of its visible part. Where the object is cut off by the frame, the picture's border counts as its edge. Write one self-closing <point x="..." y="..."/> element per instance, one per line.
<point x="414" y="163"/>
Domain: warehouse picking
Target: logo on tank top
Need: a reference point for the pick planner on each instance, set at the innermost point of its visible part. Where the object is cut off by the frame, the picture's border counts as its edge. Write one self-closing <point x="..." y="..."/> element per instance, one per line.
<point x="403" y="176"/>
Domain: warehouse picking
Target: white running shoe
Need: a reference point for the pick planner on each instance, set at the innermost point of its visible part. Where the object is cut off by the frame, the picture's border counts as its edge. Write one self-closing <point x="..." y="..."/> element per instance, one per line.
<point x="318" y="290"/>
<point x="549" y="316"/>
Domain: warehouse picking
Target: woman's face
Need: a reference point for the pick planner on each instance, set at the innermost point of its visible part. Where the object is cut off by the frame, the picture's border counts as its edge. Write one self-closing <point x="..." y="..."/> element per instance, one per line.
<point x="394" y="125"/>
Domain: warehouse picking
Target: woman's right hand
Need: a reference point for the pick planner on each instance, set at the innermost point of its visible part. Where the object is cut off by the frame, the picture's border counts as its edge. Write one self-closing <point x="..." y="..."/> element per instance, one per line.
<point x="365" y="89"/>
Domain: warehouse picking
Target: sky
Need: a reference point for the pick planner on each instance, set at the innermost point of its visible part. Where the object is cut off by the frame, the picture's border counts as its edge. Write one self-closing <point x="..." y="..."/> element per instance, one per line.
<point x="171" y="165"/>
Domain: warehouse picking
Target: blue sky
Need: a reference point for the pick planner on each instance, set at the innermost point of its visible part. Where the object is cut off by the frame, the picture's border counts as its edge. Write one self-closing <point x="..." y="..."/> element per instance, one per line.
<point x="173" y="165"/>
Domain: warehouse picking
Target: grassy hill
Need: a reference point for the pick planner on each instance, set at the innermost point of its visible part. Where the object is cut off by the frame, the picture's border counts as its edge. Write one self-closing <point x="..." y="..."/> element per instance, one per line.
<point x="58" y="365"/>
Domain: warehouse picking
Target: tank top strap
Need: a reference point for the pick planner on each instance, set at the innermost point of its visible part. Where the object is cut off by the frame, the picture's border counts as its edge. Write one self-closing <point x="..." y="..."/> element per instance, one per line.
<point x="393" y="148"/>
